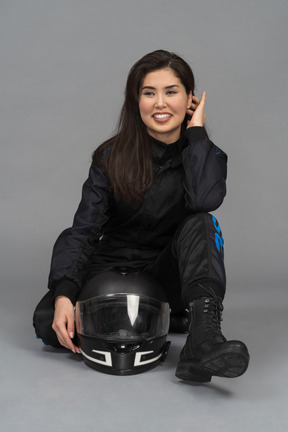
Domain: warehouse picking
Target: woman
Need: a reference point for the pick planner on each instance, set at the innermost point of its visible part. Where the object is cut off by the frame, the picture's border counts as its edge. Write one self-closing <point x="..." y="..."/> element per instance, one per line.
<point x="145" y="207"/>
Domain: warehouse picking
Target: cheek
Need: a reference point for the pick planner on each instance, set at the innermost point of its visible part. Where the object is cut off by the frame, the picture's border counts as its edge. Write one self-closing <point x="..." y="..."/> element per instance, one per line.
<point x="181" y="107"/>
<point x="144" y="109"/>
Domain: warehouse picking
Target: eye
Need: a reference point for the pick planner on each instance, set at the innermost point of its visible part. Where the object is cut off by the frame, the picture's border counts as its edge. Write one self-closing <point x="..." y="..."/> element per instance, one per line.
<point x="148" y="93"/>
<point x="171" y="92"/>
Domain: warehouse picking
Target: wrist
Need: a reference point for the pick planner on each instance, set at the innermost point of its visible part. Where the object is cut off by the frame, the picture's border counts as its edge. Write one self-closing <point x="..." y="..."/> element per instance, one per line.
<point x="62" y="299"/>
<point x="196" y="124"/>
<point x="67" y="288"/>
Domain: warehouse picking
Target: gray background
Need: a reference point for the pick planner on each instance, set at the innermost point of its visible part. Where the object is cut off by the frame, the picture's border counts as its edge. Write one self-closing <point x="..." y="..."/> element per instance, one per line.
<point x="63" y="69"/>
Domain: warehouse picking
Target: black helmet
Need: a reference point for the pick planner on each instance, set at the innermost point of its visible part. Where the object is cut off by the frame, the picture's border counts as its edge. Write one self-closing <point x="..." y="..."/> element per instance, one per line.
<point x="122" y="321"/>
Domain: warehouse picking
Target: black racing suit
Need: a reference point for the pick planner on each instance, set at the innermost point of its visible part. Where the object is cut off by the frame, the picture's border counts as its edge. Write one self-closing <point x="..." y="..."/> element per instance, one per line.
<point x="169" y="234"/>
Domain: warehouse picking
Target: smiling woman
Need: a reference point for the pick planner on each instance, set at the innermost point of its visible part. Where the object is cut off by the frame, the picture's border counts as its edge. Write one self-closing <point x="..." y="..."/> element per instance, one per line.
<point x="163" y="105"/>
<point x="144" y="209"/>
<point x="144" y="91"/>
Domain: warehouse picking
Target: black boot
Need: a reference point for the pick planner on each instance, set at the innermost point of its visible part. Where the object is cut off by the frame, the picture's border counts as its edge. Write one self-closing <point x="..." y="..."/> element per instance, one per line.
<point x="206" y="351"/>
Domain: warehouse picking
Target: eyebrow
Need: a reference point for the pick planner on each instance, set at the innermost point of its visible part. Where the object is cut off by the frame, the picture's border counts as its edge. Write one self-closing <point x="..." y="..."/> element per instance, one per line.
<point x="153" y="88"/>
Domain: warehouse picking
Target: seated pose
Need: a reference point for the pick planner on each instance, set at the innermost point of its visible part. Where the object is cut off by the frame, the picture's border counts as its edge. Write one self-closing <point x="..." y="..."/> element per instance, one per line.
<point x="145" y="208"/>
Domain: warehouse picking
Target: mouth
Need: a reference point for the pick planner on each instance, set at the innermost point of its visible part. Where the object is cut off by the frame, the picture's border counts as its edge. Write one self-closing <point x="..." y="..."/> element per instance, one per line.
<point x="161" y="117"/>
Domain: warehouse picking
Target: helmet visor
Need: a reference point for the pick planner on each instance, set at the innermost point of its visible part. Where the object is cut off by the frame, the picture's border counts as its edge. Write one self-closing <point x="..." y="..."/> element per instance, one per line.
<point x="122" y="317"/>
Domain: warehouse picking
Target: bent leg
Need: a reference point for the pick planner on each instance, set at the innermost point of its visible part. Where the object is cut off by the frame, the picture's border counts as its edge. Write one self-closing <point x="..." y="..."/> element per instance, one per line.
<point x="206" y="353"/>
<point x="43" y="319"/>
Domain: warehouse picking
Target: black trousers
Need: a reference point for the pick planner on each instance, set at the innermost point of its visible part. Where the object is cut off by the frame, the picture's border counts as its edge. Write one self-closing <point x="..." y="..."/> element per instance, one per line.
<point x="192" y="261"/>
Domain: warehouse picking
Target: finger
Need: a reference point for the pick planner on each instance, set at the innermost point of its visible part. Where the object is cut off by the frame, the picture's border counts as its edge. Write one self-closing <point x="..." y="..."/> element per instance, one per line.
<point x="194" y="104"/>
<point x="194" y="98"/>
<point x="63" y="323"/>
<point x="193" y="107"/>
<point x="67" y="340"/>
<point x="70" y="326"/>
<point x="71" y="332"/>
<point x="203" y="98"/>
<point x="59" y="326"/>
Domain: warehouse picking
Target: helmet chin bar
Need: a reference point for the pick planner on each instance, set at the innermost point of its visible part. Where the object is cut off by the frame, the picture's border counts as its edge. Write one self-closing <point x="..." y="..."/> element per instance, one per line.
<point x="115" y="362"/>
<point x="138" y="361"/>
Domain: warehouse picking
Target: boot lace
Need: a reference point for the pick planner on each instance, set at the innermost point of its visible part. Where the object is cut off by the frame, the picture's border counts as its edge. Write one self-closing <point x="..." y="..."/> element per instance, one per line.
<point x="212" y="310"/>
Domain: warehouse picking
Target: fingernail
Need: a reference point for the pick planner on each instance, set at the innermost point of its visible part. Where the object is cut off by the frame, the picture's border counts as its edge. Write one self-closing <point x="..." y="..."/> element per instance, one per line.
<point x="71" y="335"/>
<point x="73" y="351"/>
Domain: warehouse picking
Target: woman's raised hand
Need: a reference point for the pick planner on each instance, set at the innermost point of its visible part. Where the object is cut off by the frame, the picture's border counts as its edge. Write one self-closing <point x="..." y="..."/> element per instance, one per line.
<point x="197" y="112"/>
<point x="63" y="323"/>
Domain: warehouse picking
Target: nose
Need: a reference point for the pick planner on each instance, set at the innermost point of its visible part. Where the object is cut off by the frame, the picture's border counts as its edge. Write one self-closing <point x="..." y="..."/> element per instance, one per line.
<point x="160" y="101"/>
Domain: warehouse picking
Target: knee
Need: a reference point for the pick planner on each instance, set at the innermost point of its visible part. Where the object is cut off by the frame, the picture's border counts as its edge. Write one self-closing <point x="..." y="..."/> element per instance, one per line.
<point x="198" y="220"/>
<point x="216" y="225"/>
<point x="193" y="222"/>
<point x="201" y="226"/>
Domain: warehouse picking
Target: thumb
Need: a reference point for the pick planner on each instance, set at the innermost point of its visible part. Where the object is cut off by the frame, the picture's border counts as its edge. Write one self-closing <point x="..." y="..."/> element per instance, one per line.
<point x="203" y="98"/>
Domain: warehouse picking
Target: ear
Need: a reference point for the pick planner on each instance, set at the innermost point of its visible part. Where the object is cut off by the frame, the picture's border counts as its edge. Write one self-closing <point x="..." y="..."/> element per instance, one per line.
<point x="189" y="101"/>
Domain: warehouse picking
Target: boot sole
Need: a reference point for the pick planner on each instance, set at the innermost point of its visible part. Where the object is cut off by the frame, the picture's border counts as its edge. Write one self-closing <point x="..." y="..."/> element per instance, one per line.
<point x="190" y="371"/>
<point x="230" y="361"/>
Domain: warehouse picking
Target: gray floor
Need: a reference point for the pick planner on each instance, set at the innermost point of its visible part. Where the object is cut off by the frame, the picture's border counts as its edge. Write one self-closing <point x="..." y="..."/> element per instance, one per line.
<point x="44" y="389"/>
<point x="64" y="66"/>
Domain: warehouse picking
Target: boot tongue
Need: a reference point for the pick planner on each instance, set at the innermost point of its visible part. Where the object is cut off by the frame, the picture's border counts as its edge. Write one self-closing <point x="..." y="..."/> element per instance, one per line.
<point x="212" y="317"/>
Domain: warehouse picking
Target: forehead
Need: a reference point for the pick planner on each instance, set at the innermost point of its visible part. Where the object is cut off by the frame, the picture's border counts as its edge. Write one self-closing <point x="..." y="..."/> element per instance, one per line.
<point x="161" y="78"/>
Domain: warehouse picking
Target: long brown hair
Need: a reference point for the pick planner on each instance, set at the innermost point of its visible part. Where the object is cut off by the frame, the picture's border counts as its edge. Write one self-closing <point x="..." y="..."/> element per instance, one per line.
<point x="127" y="157"/>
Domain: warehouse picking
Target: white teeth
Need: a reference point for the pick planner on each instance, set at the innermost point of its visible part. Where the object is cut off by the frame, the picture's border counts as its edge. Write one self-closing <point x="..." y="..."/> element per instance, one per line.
<point x="161" y="116"/>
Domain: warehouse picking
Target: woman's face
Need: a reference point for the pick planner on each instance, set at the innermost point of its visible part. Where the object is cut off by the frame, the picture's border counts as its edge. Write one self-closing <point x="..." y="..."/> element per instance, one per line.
<point x="163" y="104"/>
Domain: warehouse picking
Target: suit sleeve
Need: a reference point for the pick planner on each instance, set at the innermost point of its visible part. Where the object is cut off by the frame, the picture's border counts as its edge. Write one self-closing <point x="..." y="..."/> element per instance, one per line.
<point x="75" y="246"/>
<point x="205" y="167"/>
